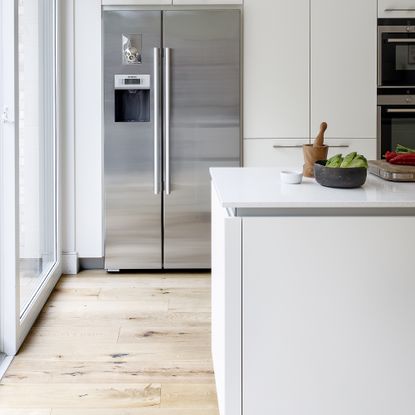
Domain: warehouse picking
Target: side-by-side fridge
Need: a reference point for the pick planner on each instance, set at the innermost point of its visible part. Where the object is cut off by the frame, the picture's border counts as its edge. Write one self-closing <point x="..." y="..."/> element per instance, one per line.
<point x="172" y="110"/>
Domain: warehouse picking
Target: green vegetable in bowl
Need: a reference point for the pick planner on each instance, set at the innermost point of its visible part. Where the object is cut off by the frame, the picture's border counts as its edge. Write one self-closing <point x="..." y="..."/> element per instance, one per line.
<point x="335" y="161"/>
<point x="358" y="161"/>
<point x="352" y="160"/>
<point x="348" y="159"/>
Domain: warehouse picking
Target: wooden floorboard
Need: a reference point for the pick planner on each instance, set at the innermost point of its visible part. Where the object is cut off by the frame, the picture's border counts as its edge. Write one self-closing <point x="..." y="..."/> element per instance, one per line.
<point x="133" y="344"/>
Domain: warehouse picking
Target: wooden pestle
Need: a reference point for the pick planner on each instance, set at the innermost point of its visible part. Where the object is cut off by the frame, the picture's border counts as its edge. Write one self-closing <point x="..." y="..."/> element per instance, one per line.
<point x="314" y="152"/>
<point x="319" y="141"/>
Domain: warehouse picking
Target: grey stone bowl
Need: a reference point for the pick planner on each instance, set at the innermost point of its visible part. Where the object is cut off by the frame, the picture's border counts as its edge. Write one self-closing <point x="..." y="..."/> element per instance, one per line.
<point x="346" y="178"/>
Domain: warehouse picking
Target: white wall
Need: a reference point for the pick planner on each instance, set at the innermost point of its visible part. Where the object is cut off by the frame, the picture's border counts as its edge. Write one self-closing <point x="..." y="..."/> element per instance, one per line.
<point x="87" y="238"/>
<point x="88" y="132"/>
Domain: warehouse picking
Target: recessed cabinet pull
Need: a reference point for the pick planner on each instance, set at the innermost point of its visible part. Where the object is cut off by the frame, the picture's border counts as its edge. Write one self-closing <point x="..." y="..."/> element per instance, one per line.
<point x="291" y="146"/>
<point x="301" y="146"/>
<point x="399" y="10"/>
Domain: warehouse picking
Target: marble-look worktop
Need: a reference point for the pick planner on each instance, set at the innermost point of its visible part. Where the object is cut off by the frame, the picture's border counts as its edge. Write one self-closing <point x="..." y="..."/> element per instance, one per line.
<point x="262" y="188"/>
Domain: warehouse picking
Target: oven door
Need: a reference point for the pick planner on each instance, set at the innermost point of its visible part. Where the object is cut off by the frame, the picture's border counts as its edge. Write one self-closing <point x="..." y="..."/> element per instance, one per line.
<point x="396" y="56"/>
<point x="396" y="126"/>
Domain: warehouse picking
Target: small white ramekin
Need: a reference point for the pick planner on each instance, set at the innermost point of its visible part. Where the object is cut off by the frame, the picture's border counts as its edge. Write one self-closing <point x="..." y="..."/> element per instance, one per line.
<point x="291" y="177"/>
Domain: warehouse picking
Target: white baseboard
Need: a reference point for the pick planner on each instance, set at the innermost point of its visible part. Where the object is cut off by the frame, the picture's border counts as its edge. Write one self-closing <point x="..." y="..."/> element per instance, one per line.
<point x="70" y="263"/>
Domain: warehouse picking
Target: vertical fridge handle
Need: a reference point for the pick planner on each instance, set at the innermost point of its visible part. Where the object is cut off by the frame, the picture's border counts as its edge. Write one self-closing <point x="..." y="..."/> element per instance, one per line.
<point x="167" y="86"/>
<point x="156" y="121"/>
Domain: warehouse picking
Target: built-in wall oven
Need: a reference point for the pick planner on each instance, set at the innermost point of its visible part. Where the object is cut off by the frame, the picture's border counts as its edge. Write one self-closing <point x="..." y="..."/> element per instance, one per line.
<point x="396" y="83"/>
<point x="396" y="119"/>
<point x="396" y="52"/>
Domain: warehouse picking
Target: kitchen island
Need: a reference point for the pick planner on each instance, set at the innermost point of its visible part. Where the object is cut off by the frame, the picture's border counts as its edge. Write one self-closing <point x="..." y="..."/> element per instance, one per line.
<point x="313" y="296"/>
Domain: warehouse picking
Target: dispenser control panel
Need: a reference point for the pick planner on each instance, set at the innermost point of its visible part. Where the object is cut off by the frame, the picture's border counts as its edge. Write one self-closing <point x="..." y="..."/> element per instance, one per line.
<point x="132" y="81"/>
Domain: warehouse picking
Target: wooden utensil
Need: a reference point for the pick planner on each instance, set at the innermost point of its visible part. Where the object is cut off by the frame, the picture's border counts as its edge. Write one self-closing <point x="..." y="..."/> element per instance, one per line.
<point x="319" y="141"/>
<point x="315" y="152"/>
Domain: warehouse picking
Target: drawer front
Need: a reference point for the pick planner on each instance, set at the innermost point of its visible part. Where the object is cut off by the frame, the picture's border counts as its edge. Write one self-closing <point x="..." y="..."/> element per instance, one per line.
<point x="289" y="153"/>
<point x="396" y="8"/>
<point x="269" y="153"/>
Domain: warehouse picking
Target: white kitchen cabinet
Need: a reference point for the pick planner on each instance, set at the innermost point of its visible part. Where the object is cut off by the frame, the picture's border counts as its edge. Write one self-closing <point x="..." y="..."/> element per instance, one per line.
<point x="273" y="152"/>
<point x="276" y="69"/>
<point x="327" y="320"/>
<point x="396" y="8"/>
<point x="205" y="2"/>
<point x="344" y="67"/>
<point x="289" y="153"/>
<point x="136" y="2"/>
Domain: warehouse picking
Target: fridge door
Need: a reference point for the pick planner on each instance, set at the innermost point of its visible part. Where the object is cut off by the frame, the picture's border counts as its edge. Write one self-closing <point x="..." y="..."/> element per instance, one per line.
<point x="201" y="126"/>
<point x="133" y="233"/>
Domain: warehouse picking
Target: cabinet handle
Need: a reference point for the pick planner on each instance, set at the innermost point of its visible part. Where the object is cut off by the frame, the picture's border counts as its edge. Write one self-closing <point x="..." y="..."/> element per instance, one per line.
<point x="400" y="10"/>
<point x="301" y="146"/>
<point x="292" y="146"/>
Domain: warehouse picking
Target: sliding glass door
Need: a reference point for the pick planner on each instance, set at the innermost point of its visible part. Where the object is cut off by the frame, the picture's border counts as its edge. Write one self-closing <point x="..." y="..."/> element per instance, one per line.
<point x="29" y="243"/>
<point x="37" y="163"/>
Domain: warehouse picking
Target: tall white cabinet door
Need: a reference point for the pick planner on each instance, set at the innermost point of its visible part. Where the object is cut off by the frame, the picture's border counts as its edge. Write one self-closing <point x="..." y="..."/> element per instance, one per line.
<point x="276" y="69"/>
<point x="343" y="67"/>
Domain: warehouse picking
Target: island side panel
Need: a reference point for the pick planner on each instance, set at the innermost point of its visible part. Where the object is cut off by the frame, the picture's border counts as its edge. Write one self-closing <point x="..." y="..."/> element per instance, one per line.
<point x="328" y="316"/>
<point x="226" y="307"/>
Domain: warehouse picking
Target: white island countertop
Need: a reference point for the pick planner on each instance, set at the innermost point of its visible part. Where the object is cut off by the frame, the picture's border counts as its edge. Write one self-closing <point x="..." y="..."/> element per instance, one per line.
<point x="306" y="298"/>
<point x="253" y="187"/>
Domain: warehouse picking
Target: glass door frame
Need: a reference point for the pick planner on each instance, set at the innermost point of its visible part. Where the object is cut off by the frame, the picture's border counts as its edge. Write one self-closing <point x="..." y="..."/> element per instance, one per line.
<point x="15" y="327"/>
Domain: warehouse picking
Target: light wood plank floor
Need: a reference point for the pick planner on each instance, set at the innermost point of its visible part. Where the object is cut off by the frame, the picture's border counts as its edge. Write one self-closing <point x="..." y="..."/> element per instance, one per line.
<point x="108" y="344"/>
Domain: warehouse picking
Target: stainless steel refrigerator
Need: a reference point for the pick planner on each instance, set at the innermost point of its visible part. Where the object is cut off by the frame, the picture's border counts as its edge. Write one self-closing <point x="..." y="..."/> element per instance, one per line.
<point x="171" y="111"/>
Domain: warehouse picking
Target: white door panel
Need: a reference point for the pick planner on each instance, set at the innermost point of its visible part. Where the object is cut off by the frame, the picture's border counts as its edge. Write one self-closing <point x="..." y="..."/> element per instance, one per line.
<point x="329" y="331"/>
<point x="276" y="69"/>
<point x="344" y="67"/>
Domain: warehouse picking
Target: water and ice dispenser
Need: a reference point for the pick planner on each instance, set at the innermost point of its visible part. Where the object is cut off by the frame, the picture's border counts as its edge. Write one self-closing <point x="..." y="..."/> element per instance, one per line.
<point x="132" y="98"/>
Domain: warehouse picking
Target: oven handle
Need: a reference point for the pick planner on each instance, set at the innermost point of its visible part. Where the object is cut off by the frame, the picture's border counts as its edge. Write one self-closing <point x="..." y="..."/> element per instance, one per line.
<point x="409" y="40"/>
<point x="401" y="110"/>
